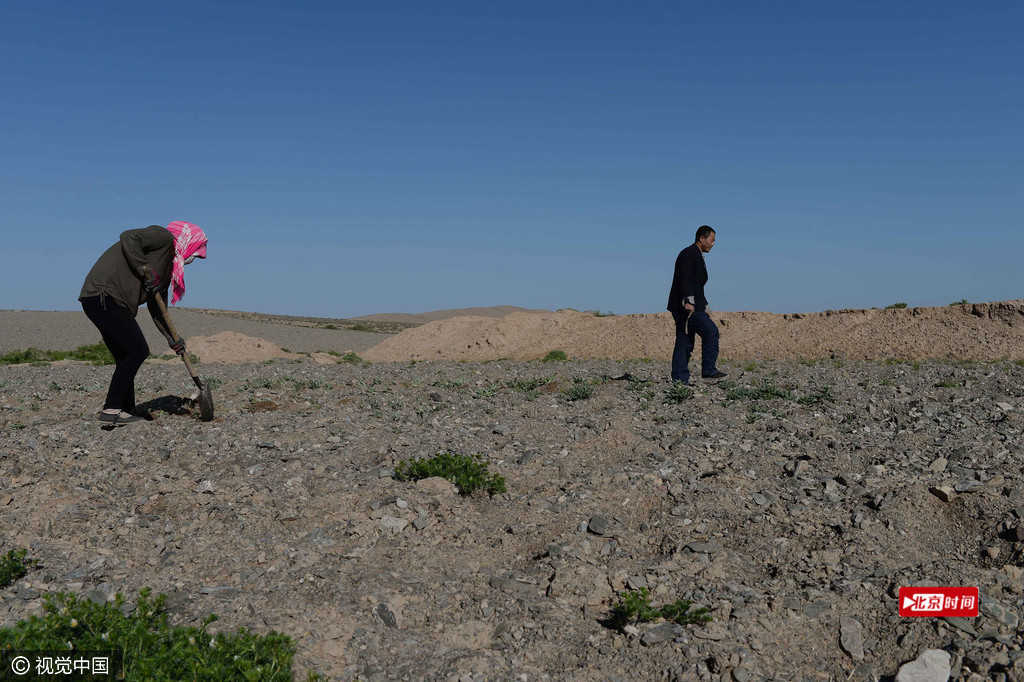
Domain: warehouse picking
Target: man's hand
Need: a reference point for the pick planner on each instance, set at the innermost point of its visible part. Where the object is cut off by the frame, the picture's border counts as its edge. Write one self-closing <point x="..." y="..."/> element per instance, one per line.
<point x="152" y="281"/>
<point x="178" y="346"/>
<point x="689" y="307"/>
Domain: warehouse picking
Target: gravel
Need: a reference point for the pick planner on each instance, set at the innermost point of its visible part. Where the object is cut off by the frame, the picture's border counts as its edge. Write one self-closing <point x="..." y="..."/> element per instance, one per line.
<point x="284" y="514"/>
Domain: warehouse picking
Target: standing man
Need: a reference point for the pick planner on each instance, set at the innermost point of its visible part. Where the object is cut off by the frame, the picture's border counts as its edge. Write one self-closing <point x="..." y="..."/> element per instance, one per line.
<point x="689" y="308"/>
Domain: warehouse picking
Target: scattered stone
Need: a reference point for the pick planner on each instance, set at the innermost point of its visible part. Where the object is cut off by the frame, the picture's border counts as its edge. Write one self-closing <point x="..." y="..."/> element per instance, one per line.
<point x="963" y="625"/>
<point x="386" y="615"/>
<point x="851" y="637"/>
<point x="943" y="492"/>
<point x="1000" y="613"/>
<point x="931" y="666"/>
<point x="307" y="532"/>
<point x="741" y="674"/>
<point x="393" y="524"/>
<point x="436" y="485"/>
<point x="598" y="525"/>
<point x="661" y="633"/>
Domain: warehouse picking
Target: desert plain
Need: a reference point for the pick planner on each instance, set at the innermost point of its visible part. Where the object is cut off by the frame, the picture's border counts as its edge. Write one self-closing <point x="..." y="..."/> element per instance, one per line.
<point x="848" y="454"/>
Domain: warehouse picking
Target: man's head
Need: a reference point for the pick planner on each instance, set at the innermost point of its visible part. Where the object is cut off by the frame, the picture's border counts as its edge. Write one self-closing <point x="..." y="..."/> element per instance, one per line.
<point x="705" y="238"/>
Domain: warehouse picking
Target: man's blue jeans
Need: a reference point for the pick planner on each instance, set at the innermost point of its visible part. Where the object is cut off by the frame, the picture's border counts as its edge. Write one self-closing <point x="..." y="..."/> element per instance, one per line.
<point x="700" y="323"/>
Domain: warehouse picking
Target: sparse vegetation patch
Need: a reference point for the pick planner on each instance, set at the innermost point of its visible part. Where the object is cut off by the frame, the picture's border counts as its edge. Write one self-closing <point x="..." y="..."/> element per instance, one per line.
<point x="635" y="607"/>
<point x="97" y="354"/>
<point x="467" y="472"/>
<point x="13" y="566"/>
<point x="149" y="647"/>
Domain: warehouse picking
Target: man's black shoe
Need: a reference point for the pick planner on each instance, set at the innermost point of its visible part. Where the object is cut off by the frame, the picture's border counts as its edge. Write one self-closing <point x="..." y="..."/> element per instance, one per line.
<point x="716" y="375"/>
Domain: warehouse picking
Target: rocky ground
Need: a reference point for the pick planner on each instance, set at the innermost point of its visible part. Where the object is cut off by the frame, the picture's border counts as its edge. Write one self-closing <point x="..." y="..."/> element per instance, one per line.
<point x="794" y="518"/>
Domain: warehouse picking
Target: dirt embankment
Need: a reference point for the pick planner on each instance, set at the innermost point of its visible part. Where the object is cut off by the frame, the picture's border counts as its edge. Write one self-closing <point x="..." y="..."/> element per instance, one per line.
<point x="980" y="331"/>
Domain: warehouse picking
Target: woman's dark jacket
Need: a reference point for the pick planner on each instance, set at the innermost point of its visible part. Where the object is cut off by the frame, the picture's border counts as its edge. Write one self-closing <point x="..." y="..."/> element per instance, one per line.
<point x="120" y="273"/>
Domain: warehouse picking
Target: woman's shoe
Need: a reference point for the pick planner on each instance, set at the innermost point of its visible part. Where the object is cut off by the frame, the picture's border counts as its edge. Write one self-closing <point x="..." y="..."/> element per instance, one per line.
<point x="119" y="418"/>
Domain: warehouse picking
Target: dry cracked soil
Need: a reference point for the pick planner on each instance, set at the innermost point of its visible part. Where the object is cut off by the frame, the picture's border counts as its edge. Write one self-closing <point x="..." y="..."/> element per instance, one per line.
<point x="792" y="500"/>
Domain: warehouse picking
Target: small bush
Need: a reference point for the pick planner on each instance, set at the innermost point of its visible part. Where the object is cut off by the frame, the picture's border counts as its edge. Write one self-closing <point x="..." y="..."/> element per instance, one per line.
<point x="150" y="647"/>
<point x="766" y="391"/>
<point x="351" y="358"/>
<point x="945" y="384"/>
<point x="635" y="606"/>
<point x="962" y="301"/>
<point x="527" y="385"/>
<point x="555" y="355"/>
<point x="679" y="612"/>
<point x="13" y="566"/>
<point x="330" y="326"/>
<point x="450" y="384"/>
<point x="97" y="354"/>
<point x="598" y="313"/>
<point x="678" y="393"/>
<point x="467" y="472"/>
<point x="637" y="383"/>
<point x="579" y="390"/>
<point x="823" y="395"/>
<point x="362" y="328"/>
<point x="896" y="306"/>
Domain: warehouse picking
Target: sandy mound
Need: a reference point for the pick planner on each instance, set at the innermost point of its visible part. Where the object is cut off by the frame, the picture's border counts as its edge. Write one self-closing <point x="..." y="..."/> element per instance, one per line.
<point x="235" y="349"/>
<point x="435" y="315"/>
<point x="981" y="331"/>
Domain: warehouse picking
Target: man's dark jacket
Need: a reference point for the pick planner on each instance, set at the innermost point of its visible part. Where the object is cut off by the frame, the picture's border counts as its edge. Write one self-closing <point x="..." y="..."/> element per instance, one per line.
<point x="689" y="279"/>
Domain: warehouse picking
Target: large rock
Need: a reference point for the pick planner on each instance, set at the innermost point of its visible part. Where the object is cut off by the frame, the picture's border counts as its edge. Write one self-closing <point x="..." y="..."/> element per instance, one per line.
<point x="931" y="666"/>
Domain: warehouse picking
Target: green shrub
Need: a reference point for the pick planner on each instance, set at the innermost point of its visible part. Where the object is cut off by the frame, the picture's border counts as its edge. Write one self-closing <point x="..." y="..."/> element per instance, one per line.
<point x="351" y="358"/>
<point x="467" y="472"/>
<point x="823" y="395"/>
<point x="97" y="354"/>
<point x="450" y="384"/>
<point x="945" y="384"/>
<point x="635" y="606"/>
<point x="555" y="355"/>
<point x="487" y="391"/>
<point x="679" y="612"/>
<point x="678" y="393"/>
<point x="637" y="383"/>
<point x="962" y="301"/>
<point x="598" y="313"/>
<point x="330" y="326"/>
<point x="150" y="648"/>
<point x="579" y="390"/>
<point x="13" y="566"/>
<point x="18" y="357"/>
<point x="766" y="391"/>
<point x="527" y="385"/>
<point x="362" y="328"/>
<point x="896" y="306"/>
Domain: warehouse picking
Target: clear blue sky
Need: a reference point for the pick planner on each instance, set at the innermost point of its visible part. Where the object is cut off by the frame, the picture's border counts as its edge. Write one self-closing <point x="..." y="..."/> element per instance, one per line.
<point x="353" y="158"/>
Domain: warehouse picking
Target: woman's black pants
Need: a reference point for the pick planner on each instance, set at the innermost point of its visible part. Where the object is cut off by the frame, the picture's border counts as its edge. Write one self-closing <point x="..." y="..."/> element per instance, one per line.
<point x="127" y="344"/>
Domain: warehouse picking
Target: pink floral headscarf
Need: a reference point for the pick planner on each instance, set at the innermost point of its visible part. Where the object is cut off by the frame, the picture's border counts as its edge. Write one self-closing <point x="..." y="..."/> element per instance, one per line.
<point x="189" y="240"/>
